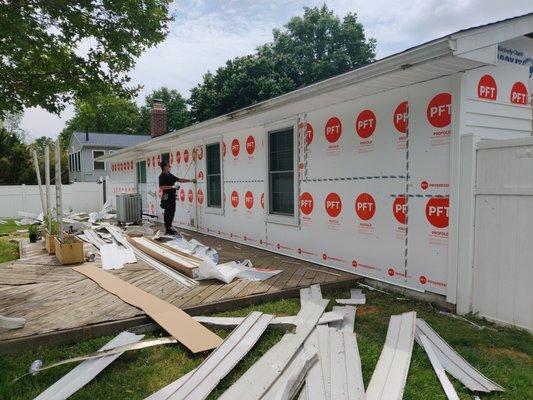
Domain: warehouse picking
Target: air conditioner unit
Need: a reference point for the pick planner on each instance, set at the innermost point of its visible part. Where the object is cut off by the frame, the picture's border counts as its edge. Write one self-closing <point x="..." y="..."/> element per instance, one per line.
<point x="129" y="208"/>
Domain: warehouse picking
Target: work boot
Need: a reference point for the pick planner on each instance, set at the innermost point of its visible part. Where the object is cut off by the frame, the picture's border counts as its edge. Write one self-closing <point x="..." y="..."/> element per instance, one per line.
<point x="170" y="232"/>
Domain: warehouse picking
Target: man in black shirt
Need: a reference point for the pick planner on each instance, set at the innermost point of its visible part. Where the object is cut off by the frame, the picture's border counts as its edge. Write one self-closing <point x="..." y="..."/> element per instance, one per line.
<point x="168" y="184"/>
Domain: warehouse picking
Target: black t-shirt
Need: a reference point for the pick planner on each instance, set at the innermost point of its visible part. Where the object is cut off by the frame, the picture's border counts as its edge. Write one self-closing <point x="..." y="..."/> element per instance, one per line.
<point x="168" y="180"/>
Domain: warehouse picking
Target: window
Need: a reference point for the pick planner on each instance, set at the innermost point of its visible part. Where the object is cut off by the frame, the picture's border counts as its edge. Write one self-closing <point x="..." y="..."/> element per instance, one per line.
<point x="141" y="172"/>
<point x="214" y="181"/>
<point x="281" y="172"/>
<point x="98" y="164"/>
<point x="78" y="161"/>
<point x="70" y="163"/>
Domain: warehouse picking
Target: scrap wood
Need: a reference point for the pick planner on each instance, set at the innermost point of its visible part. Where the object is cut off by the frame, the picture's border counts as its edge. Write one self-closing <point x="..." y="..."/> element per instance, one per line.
<point x="111" y="351"/>
<point x="87" y="370"/>
<point x="346" y="376"/>
<point x="167" y="257"/>
<point x="221" y="361"/>
<point x="454" y="364"/>
<point x="390" y="374"/>
<point x="12" y="322"/>
<point x="186" y="330"/>
<point x="257" y="380"/>
<point x="315" y="382"/>
<point x="451" y="394"/>
<point x="348" y="321"/>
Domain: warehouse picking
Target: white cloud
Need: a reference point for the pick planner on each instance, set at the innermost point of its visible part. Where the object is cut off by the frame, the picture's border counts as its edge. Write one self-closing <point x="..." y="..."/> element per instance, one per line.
<point x="207" y="33"/>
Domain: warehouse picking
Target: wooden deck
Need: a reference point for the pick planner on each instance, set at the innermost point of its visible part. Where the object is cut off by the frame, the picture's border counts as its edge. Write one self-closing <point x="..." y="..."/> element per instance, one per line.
<point x="63" y="306"/>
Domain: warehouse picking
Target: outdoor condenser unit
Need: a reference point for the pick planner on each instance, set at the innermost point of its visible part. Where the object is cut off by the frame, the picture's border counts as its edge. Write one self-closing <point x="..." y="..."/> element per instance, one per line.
<point x="129" y="208"/>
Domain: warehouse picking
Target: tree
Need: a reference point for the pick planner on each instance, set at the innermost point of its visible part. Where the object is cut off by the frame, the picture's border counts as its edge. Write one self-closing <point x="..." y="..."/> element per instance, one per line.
<point x="15" y="160"/>
<point x="109" y="114"/>
<point x="52" y="52"/>
<point x="313" y="47"/>
<point x="177" y="113"/>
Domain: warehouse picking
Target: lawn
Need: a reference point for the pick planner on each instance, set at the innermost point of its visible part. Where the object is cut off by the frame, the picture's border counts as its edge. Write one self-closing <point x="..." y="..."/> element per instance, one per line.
<point x="8" y="250"/>
<point x="505" y="356"/>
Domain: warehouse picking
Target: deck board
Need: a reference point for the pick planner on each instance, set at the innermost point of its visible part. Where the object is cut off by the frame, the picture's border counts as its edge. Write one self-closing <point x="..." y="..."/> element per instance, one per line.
<point x="63" y="306"/>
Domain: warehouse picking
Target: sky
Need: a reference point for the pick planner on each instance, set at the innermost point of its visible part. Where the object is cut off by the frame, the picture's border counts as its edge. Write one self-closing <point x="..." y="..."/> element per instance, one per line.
<point x="206" y="33"/>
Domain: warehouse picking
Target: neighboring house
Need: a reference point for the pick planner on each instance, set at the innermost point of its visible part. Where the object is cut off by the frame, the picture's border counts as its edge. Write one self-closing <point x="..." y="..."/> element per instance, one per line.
<point x="86" y="147"/>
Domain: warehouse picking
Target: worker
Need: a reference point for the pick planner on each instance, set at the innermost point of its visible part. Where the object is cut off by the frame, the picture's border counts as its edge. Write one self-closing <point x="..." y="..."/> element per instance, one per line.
<point x="168" y="184"/>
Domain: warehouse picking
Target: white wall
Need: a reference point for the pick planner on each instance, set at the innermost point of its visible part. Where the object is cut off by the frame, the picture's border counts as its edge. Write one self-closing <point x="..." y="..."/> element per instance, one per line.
<point x="80" y="197"/>
<point x="503" y="251"/>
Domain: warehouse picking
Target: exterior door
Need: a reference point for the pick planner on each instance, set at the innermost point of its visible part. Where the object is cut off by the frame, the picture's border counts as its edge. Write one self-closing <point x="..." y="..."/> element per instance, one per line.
<point x="141" y="185"/>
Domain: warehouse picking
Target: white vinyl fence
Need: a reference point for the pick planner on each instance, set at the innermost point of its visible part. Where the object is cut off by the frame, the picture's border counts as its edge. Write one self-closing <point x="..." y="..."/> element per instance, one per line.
<point x="78" y="197"/>
<point x="503" y="244"/>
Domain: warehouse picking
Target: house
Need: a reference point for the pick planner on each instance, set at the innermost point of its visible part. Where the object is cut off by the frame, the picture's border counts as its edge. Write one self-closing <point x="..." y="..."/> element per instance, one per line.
<point x="85" y="147"/>
<point x="383" y="171"/>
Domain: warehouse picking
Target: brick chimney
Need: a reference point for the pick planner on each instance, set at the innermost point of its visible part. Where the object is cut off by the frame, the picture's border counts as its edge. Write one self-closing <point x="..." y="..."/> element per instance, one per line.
<point x="158" y="124"/>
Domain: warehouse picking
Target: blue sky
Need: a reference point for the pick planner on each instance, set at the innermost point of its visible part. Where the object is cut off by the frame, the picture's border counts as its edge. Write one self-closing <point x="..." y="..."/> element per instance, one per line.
<point x="206" y="33"/>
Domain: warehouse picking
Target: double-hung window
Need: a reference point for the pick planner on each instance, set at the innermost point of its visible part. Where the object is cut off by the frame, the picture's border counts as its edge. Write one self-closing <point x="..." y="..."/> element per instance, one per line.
<point x="214" y="175"/>
<point x="281" y="172"/>
<point x="98" y="164"/>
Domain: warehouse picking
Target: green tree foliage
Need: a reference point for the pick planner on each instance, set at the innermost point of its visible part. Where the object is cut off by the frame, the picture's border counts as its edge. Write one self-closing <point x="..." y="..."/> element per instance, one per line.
<point x="177" y="113"/>
<point x="109" y="114"/>
<point x="52" y="52"/>
<point x="313" y="47"/>
<point x="15" y="158"/>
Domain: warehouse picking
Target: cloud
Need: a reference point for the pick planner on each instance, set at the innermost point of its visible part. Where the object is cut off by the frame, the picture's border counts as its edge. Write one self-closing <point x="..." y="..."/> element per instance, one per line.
<point x="207" y="33"/>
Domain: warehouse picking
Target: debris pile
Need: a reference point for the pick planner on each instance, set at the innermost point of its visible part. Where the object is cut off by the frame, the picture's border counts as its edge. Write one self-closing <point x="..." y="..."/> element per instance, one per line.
<point x="316" y="359"/>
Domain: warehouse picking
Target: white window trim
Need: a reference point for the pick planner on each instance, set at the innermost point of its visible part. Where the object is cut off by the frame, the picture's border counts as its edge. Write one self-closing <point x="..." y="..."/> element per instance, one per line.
<point x="102" y="169"/>
<point x="215" y="210"/>
<point x="293" y="220"/>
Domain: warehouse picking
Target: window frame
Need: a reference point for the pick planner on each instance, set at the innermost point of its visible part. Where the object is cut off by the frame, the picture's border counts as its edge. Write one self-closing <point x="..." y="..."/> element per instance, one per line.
<point x="215" y="210"/>
<point x="292" y="220"/>
<point x="78" y="161"/>
<point x="102" y="162"/>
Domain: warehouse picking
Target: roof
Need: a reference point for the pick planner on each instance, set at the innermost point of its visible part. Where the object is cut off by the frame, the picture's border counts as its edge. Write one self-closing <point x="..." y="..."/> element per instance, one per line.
<point x="110" y="139"/>
<point x="450" y="54"/>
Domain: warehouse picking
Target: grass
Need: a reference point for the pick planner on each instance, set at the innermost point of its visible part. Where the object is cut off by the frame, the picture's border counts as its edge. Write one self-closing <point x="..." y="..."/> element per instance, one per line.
<point x="8" y="250"/>
<point x="505" y="356"/>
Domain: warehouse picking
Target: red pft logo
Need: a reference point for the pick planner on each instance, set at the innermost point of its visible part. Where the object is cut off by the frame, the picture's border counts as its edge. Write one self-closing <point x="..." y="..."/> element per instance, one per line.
<point x="178" y="157"/>
<point x="234" y="199"/>
<point x="200" y="197"/>
<point x="437" y="211"/>
<point x="262" y="200"/>
<point x="400" y="117"/>
<point x="200" y="152"/>
<point x="518" y="93"/>
<point x="486" y="88"/>
<point x="365" y="206"/>
<point x="423" y="280"/>
<point x="365" y="125"/>
<point x="185" y="156"/>
<point x="333" y="205"/>
<point x="235" y="147"/>
<point x="309" y="132"/>
<point x="148" y="161"/>
<point x="153" y="161"/>
<point x="391" y="272"/>
<point x="249" y="200"/>
<point x="200" y="175"/>
<point x="182" y="195"/>
<point x="306" y="203"/>
<point x="250" y="145"/>
<point x="399" y="209"/>
<point x="439" y="111"/>
<point x="190" y="195"/>
<point x="424" y="185"/>
<point x="333" y="129"/>
<point x="223" y="149"/>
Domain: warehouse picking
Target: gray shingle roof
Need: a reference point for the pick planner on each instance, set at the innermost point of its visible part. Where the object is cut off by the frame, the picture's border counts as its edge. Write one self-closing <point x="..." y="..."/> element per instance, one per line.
<point x="110" y="139"/>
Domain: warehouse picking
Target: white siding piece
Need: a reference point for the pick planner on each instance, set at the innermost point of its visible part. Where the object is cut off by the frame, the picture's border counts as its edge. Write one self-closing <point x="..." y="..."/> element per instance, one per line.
<point x="451" y="394"/>
<point x="303" y="394"/>
<point x="356" y="297"/>
<point x="221" y="361"/>
<point x="390" y="374"/>
<point x="348" y="322"/>
<point x="322" y="332"/>
<point x="87" y="370"/>
<point x="293" y="377"/>
<point x="111" y="258"/>
<point x="339" y="379"/>
<point x="315" y="386"/>
<point x="453" y="363"/>
<point x="258" y="379"/>
<point x="312" y="292"/>
<point x="356" y="388"/>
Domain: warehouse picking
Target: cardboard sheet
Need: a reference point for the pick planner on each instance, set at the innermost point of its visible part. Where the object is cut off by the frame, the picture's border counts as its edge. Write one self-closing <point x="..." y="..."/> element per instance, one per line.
<point x="179" y="324"/>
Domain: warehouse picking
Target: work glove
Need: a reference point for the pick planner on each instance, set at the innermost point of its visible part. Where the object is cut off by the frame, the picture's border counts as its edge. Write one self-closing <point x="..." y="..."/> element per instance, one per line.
<point x="176" y="185"/>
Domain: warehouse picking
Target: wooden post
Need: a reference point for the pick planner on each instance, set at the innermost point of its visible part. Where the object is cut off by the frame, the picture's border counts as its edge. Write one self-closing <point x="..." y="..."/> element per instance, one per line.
<point x="37" y="172"/>
<point x="59" y="209"/>
<point x="47" y="181"/>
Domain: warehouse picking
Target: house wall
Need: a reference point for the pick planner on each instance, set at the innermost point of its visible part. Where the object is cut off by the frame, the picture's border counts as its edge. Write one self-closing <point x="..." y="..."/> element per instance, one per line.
<point x="354" y="190"/>
<point x="88" y="173"/>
